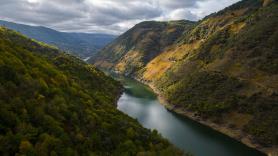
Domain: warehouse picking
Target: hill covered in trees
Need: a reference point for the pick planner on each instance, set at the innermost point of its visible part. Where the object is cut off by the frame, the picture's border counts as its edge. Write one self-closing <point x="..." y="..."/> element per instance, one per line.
<point x="222" y="69"/>
<point x="82" y="45"/>
<point x="139" y="45"/>
<point x="52" y="103"/>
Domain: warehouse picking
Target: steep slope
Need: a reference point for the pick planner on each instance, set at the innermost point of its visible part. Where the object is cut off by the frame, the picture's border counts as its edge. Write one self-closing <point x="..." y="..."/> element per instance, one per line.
<point x="135" y="48"/>
<point x="223" y="73"/>
<point x="80" y="44"/>
<point x="226" y="72"/>
<point x="54" y="104"/>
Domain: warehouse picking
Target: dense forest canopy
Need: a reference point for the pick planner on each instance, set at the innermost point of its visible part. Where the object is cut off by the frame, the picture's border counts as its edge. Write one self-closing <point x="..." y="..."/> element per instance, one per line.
<point x="55" y="104"/>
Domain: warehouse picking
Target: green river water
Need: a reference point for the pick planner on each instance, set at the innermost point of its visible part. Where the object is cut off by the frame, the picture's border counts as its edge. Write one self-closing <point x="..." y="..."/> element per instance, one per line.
<point x="140" y="102"/>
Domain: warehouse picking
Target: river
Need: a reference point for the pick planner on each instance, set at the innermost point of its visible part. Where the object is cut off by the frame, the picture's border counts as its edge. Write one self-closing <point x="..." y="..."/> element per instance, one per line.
<point x="140" y="102"/>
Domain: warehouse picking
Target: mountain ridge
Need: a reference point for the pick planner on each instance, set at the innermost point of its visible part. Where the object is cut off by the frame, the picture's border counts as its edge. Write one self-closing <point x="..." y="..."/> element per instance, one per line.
<point x="141" y="43"/>
<point x="80" y="44"/>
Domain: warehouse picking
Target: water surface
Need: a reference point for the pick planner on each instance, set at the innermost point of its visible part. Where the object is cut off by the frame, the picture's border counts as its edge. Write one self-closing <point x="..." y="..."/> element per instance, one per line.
<point x="140" y="102"/>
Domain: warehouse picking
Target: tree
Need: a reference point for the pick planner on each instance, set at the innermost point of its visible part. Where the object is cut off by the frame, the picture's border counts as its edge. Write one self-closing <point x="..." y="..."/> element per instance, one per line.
<point x="26" y="148"/>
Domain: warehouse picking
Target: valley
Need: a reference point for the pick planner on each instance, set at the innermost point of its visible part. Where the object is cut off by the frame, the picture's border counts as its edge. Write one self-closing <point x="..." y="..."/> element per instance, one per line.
<point x="220" y="71"/>
<point x="141" y="103"/>
<point x="53" y="103"/>
<point x="162" y="86"/>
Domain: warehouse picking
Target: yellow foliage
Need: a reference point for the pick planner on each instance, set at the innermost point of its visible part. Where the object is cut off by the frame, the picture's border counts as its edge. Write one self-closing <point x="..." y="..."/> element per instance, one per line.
<point x="25" y="146"/>
<point x="40" y="97"/>
<point x="235" y="28"/>
<point x="226" y="20"/>
<point x="120" y="67"/>
<point x="158" y="66"/>
<point x="131" y="58"/>
<point x="171" y="30"/>
<point x="266" y="2"/>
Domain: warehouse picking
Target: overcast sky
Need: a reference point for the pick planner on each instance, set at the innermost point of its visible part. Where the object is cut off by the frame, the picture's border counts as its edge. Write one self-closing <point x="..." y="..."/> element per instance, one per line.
<point x="104" y="16"/>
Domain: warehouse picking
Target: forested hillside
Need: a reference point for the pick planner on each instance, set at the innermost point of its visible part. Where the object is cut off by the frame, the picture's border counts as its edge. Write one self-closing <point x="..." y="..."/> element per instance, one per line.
<point x="138" y="46"/>
<point x="224" y="70"/>
<point x="52" y="103"/>
<point x="82" y="45"/>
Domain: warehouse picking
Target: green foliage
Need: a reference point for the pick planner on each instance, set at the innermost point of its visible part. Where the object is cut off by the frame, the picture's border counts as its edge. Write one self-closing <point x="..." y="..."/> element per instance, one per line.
<point x="54" y="104"/>
<point x="251" y="4"/>
<point x="264" y="125"/>
<point x="209" y="93"/>
<point x="248" y="59"/>
<point x="254" y="47"/>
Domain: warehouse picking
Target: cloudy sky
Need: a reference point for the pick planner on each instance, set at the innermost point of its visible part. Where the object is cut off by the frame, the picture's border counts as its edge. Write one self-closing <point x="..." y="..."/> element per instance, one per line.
<point x="104" y="16"/>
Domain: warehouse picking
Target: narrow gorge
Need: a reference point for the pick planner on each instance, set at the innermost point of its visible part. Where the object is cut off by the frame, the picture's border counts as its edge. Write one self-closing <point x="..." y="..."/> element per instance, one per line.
<point x="220" y="71"/>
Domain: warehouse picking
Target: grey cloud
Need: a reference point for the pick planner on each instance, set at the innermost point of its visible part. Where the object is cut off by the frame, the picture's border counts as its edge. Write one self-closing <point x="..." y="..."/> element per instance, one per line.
<point x="105" y="16"/>
<point x="176" y="4"/>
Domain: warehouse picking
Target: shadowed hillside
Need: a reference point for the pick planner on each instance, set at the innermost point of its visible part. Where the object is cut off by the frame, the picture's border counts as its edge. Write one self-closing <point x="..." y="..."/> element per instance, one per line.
<point x="55" y="104"/>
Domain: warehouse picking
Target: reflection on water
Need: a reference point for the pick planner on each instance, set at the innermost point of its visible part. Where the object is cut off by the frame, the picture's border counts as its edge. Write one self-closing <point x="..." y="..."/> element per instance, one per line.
<point x="138" y="101"/>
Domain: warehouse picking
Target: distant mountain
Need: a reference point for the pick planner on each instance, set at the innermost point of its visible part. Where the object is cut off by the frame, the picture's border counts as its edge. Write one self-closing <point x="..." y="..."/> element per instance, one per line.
<point x="52" y="103"/>
<point x="82" y="45"/>
<point x="135" y="48"/>
<point x="222" y="69"/>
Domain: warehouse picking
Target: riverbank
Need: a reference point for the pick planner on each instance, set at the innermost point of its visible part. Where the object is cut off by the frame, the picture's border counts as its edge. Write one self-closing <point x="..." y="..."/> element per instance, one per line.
<point x="234" y="133"/>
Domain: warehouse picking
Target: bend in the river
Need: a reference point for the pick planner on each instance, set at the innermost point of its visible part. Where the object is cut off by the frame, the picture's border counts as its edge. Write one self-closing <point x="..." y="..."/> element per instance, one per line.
<point x="140" y="102"/>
